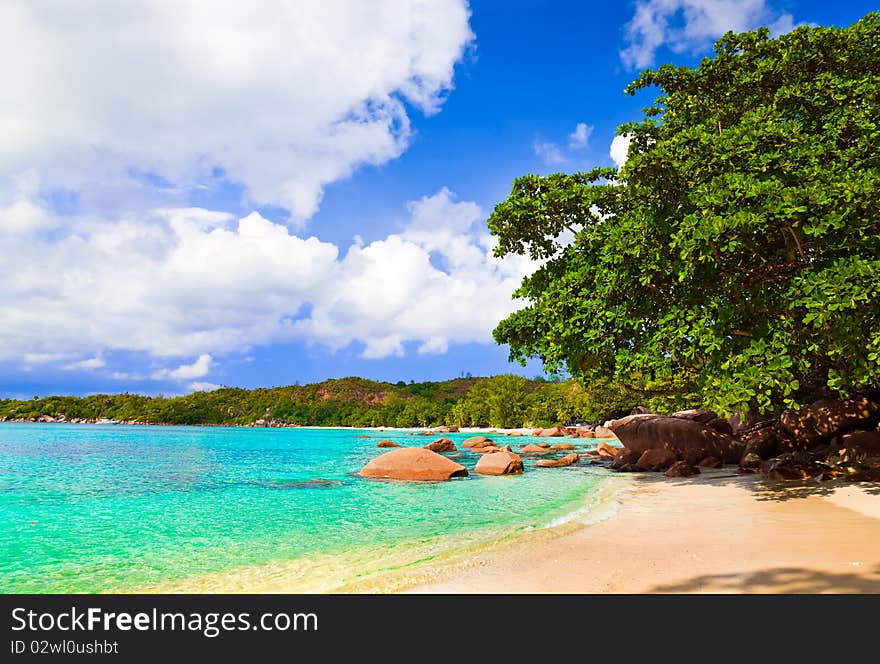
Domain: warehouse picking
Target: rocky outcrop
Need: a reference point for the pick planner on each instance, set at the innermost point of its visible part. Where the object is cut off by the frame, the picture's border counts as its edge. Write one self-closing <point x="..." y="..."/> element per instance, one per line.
<point x="561" y="447"/>
<point x="441" y="445"/>
<point x="477" y="441"/>
<point x="859" y="442"/>
<point x="387" y="443"/>
<point x="710" y="462"/>
<point x="625" y="459"/>
<point x="656" y="459"/>
<point x="604" y="432"/>
<point x="687" y="439"/>
<point x="681" y="469"/>
<point x="446" y="429"/>
<point x="824" y="419"/>
<point x="413" y="464"/>
<point x="567" y="460"/>
<point x="761" y="439"/>
<point x="499" y="463"/>
<point x="486" y="449"/>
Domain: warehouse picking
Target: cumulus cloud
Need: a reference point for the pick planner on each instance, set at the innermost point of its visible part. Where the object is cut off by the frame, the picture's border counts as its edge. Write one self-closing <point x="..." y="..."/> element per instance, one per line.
<point x="283" y="97"/>
<point x="620" y="149"/>
<point x="548" y="152"/>
<point x="197" y="369"/>
<point x="579" y="138"/>
<point x="201" y="386"/>
<point x="691" y="25"/>
<point x="87" y="364"/>
<point x="193" y="283"/>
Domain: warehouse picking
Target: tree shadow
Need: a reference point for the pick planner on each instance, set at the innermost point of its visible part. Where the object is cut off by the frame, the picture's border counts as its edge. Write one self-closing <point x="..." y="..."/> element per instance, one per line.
<point x="779" y="580"/>
<point x="764" y="488"/>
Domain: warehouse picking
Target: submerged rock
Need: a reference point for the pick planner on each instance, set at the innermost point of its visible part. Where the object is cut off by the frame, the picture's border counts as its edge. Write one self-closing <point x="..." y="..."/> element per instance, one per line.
<point x="317" y="482"/>
<point x="387" y="443"/>
<point x="499" y="463"/>
<point x="414" y="464"/>
<point x="560" y="447"/>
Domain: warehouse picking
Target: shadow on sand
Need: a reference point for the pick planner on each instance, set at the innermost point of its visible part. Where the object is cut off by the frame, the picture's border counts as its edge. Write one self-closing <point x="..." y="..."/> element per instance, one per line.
<point x="763" y="488"/>
<point x="780" y="579"/>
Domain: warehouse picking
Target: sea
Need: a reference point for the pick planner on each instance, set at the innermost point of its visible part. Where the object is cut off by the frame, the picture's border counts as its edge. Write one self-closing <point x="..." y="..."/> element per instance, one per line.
<point x="115" y="508"/>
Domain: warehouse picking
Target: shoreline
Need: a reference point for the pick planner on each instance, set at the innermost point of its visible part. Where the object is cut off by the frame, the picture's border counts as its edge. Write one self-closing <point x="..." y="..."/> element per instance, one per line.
<point x="717" y="533"/>
<point x="371" y="571"/>
<point x="525" y="431"/>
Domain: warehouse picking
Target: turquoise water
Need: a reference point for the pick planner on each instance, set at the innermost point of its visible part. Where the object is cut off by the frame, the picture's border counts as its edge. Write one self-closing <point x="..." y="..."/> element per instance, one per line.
<point x="101" y="508"/>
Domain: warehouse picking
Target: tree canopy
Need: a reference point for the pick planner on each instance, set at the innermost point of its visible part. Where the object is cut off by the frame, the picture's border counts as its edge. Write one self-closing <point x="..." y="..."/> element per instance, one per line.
<point x="736" y="254"/>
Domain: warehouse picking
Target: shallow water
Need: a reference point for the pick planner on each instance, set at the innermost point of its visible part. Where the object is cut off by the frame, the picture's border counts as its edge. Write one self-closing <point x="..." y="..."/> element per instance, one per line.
<point x="93" y="508"/>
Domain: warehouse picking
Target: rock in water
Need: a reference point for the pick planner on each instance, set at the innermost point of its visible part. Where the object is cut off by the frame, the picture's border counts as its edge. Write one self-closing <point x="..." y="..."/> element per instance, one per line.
<point x="415" y="464"/>
<point x="681" y="469"/>
<point x="567" y="460"/>
<point x="499" y="463"/>
<point x="605" y="451"/>
<point x="441" y="445"/>
<point x="625" y="458"/>
<point x="604" y="432"/>
<point x="531" y="448"/>
<point x="552" y="432"/>
<point x="477" y="441"/>
<point x="387" y="443"/>
<point x="561" y="447"/>
<point x="688" y="440"/>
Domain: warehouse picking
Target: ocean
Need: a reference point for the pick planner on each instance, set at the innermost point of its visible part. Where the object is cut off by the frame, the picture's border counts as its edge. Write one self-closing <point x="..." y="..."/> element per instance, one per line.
<point x="113" y="508"/>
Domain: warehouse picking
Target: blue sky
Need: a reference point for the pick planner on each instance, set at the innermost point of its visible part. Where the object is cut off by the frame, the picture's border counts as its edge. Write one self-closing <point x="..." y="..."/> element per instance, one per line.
<point x="246" y="197"/>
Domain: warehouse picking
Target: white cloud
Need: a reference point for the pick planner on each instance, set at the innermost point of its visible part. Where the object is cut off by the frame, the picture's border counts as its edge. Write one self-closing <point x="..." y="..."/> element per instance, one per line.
<point x="201" y="367"/>
<point x="692" y="25"/>
<point x="549" y="152"/>
<point x="286" y="97"/>
<point x="620" y="149"/>
<point x="579" y="138"/>
<point x="200" y="386"/>
<point x="43" y="358"/>
<point x="192" y="283"/>
<point x="86" y="364"/>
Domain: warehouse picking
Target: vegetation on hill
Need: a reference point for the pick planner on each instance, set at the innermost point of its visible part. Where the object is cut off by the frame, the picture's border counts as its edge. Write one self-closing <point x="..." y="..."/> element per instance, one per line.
<point x="736" y="254"/>
<point x="506" y="400"/>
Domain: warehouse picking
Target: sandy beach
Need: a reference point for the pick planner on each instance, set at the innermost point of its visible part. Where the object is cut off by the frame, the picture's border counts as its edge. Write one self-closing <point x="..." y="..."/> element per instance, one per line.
<point x="712" y="534"/>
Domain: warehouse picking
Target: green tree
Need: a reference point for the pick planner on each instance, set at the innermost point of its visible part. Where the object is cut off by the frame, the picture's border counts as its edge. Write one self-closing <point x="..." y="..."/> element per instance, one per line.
<point x="736" y="254"/>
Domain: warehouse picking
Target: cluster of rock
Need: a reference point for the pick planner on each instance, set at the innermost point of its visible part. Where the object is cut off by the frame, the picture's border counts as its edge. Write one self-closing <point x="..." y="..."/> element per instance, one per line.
<point x="428" y="463"/>
<point x="272" y="422"/>
<point x="61" y="418"/>
<point x="826" y="440"/>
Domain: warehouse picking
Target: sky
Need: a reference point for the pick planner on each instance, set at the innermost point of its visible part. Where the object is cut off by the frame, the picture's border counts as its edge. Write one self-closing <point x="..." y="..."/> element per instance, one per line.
<point x="245" y="194"/>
